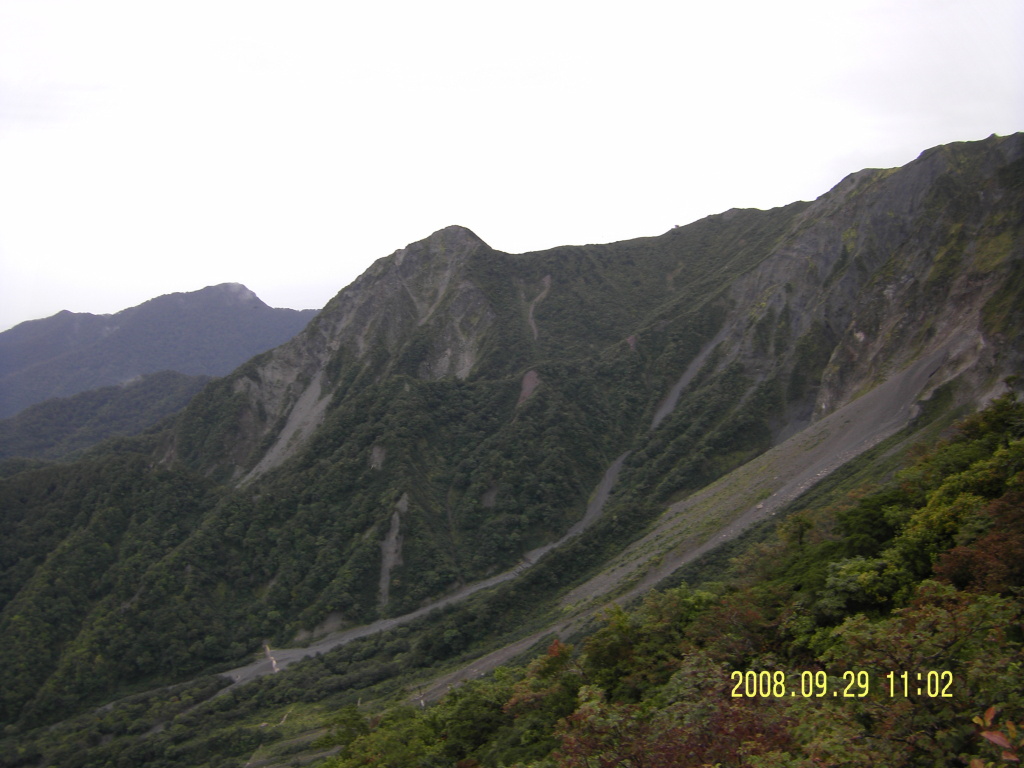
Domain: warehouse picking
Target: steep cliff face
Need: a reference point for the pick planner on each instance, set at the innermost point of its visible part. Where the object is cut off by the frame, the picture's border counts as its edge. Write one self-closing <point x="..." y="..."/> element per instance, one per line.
<point x="946" y="275"/>
<point x="413" y="312"/>
<point x="889" y="266"/>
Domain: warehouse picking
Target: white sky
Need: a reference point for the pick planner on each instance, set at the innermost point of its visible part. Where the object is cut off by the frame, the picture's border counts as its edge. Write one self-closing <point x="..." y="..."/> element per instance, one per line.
<point x="148" y="147"/>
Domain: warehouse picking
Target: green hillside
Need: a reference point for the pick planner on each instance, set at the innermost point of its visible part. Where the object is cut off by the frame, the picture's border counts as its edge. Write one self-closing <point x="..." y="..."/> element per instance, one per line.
<point x="467" y="454"/>
<point x="59" y="427"/>
<point x="881" y="628"/>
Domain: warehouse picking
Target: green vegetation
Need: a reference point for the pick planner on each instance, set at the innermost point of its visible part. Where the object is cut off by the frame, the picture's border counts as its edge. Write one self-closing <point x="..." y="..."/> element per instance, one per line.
<point x="60" y="427"/>
<point x="938" y="593"/>
<point x="130" y="577"/>
<point x="921" y="573"/>
<point x="809" y="609"/>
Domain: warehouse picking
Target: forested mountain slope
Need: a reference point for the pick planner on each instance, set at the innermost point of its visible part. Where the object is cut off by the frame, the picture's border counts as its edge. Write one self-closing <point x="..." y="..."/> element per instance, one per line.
<point x="882" y="629"/>
<point x="207" y="332"/>
<point x="454" y="408"/>
<point x="60" y="426"/>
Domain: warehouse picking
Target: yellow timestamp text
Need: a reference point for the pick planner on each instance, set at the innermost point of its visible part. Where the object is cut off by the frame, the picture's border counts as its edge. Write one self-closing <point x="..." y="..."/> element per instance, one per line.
<point x="851" y="684"/>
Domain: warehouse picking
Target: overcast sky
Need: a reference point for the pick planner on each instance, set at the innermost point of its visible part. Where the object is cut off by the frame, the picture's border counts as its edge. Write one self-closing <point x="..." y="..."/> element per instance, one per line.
<point x="151" y="147"/>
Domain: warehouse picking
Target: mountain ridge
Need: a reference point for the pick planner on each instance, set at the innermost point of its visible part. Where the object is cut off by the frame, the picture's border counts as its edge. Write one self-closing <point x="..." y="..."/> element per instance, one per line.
<point x="205" y="332"/>
<point x="454" y="408"/>
<point x="421" y="278"/>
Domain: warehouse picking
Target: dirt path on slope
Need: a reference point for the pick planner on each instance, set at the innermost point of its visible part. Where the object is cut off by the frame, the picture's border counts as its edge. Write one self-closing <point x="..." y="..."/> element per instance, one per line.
<point x="279" y="658"/>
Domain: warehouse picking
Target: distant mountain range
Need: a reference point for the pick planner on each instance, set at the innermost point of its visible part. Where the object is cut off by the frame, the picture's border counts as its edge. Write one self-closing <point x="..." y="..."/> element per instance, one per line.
<point x="208" y="332"/>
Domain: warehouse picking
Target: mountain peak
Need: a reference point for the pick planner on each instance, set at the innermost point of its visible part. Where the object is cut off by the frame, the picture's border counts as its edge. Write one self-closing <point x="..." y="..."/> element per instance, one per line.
<point x="236" y="288"/>
<point x="445" y="246"/>
<point x="234" y="292"/>
<point x="457" y="234"/>
<point x="449" y="240"/>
